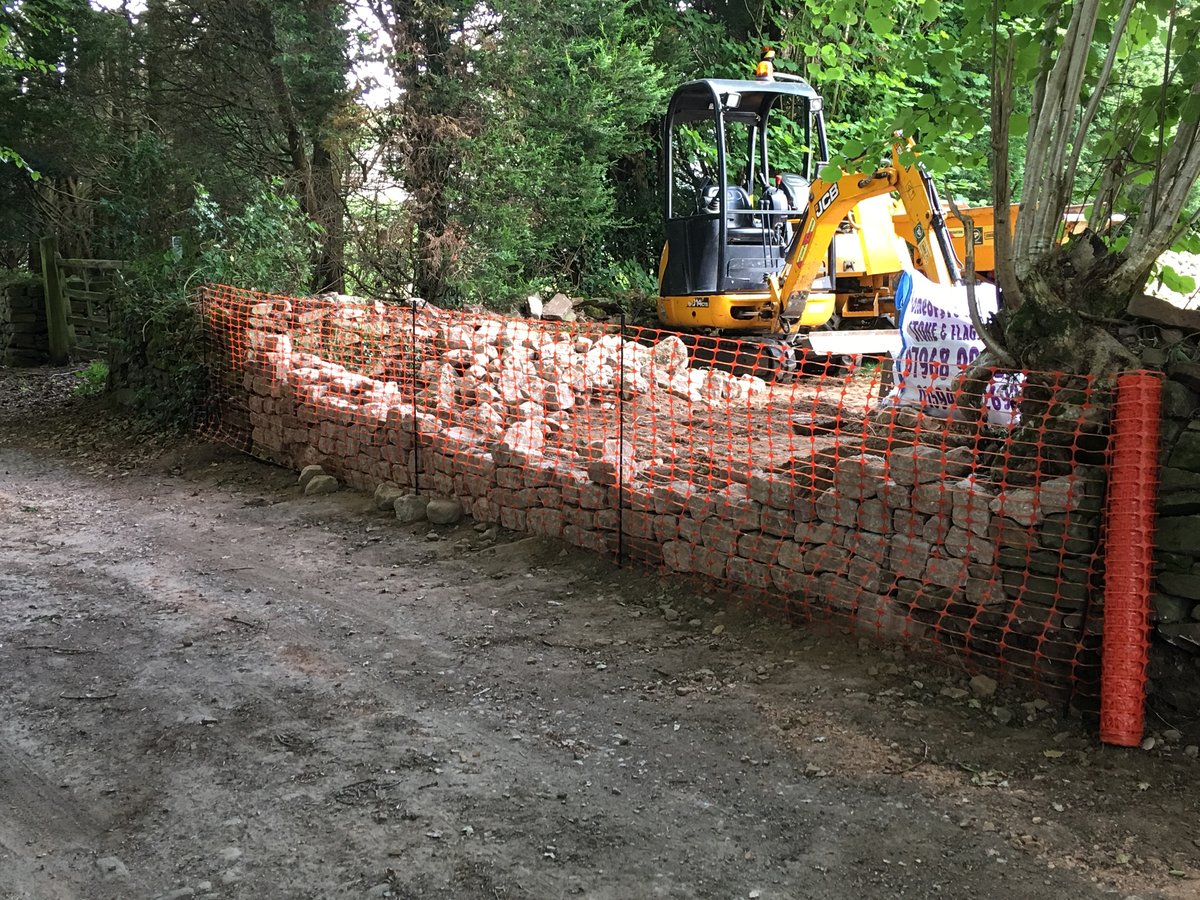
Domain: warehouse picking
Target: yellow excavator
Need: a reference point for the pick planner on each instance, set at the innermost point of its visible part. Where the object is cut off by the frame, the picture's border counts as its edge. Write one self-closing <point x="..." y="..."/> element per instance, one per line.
<point x="759" y="247"/>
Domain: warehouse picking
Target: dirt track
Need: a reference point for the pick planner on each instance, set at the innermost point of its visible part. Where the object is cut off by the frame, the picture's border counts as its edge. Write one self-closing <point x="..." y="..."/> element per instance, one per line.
<point x="216" y="687"/>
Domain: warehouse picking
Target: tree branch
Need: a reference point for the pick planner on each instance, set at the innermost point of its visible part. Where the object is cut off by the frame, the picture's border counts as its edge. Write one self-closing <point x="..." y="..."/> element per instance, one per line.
<point x="1089" y="113"/>
<point x="992" y="345"/>
<point x="1002" y="98"/>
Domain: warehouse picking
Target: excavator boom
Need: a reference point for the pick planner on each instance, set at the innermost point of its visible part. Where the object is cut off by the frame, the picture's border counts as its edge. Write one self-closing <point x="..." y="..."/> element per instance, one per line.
<point x="831" y="201"/>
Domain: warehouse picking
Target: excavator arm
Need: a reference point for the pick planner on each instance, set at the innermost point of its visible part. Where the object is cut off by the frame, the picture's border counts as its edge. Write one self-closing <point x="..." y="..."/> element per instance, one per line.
<point x="831" y="201"/>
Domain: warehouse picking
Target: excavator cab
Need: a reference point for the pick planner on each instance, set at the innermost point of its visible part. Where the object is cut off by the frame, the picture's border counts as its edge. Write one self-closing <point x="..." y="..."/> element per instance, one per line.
<point x="739" y="159"/>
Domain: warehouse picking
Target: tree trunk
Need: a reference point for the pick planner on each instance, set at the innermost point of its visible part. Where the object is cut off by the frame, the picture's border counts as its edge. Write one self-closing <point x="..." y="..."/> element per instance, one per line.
<point x="1060" y="325"/>
<point x="329" y="269"/>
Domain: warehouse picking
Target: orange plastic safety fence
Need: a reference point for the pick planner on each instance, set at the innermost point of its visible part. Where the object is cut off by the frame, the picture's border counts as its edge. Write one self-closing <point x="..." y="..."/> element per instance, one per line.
<point x="812" y="495"/>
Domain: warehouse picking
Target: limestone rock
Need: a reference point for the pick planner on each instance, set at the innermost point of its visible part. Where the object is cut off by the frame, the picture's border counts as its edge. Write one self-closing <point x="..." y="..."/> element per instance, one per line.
<point x="1186" y="635"/>
<point x="519" y="442"/>
<point x="1170" y="609"/>
<point x="1178" y="401"/>
<point x="671" y="355"/>
<point x="320" y="484"/>
<point x="1186" y="454"/>
<point x="444" y="512"/>
<point x="983" y="686"/>
<point x="386" y="495"/>
<point x="1178" y="534"/>
<point x="308" y="473"/>
<point x="1144" y="306"/>
<point x="1181" y="584"/>
<point x="410" y="508"/>
<point x="559" y="308"/>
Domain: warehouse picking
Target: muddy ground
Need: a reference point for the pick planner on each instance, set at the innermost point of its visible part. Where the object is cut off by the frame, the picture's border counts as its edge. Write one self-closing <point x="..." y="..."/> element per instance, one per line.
<point x="216" y="687"/>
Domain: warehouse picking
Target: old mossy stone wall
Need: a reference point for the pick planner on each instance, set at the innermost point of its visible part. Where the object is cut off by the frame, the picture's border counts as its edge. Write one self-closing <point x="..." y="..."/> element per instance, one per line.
<point x="23" y="339"/>
<point x="1175" y="654"/>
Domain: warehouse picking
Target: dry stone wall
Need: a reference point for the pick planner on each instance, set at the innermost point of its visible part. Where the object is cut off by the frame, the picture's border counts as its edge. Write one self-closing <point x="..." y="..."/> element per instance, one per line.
<point x="23" y="340"/>
<point x="1175" y="605"/>
<point x="897" y="532"/>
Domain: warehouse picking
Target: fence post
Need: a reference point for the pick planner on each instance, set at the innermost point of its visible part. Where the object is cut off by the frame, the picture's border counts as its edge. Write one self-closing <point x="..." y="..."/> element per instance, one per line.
<point x="412" y="356"/>
<point x="1129" y="558"/>
<point x="58" y="312"/>
<point x="621" y="446"/>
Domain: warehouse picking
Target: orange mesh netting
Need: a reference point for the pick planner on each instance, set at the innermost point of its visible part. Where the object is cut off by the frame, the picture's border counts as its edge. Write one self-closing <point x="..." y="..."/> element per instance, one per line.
<point x="812" y="497"/>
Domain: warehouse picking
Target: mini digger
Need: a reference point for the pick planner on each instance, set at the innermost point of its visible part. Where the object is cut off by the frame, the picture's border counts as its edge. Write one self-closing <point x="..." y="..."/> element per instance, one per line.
<point x="759" y="248"/>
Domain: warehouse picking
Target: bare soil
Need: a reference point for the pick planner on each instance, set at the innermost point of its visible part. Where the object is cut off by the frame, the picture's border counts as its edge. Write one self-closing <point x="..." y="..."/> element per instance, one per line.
<point x="216" y="687"/>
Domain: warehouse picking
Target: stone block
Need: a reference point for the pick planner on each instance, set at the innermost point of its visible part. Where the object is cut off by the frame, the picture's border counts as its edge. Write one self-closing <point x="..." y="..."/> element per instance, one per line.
<point x="909" y="522"/>
<point x="791" y="556"/>
<point x="709" y="562"/>
<point x="775" y="490"/>
<point x="970" y="506"/>
<point x="826" y="558"/>
<point x="869" y="576"/>
<point x="987" y="592"/>
<point x="752" y="574"/>
<point x="894" y="495"/>
<point x="933" y="498"/>
<point x="859" y="477"/>
<point x="666" y="528"/>
<point x="514" y="519"/>
<point x="720" y="537"/>
<point x="1076" y="533"/>
<point x="608" y="520"/>
<point x="839" y="594"/>
<point x="1166" y="608"/>
<point x="1181" y="584"/>
<point x="595" y="496"/>
<point x="789" y="581"/>
<point x="920" y="464"/>
<point x="911" y="595"/>
<point x="865" y="515"/>
<point x="638" y="524"/>
<point x="678" y="556"/>
<point x="907" y="555"/>
<point x="691" y="531"/>
<point x="308" y="473"/>
<point x="966" y="544"/>
<point x="671" y="499"/>
<point x="815" y="533"/>
<point x="743" y="515"/>
<point x="441" y="511"/>
<point x="781" y="523"/>
<point x="950" y="573"/>
<point x="320" y="484"/>
<point x="873" y="548"/>
<point x="410" y="508"/>
<point x="1179" y="401"/>
<point x="1178" y="534"/>
<point x="758" y="547"/>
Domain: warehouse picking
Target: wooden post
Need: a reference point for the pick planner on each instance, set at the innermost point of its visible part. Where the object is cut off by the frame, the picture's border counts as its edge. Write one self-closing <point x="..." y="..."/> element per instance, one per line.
<point x="58" y="313"/>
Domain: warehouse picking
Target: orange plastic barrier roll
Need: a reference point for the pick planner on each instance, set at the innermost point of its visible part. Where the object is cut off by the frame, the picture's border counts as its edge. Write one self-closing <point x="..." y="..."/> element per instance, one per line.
<point x="1130" y="558"/>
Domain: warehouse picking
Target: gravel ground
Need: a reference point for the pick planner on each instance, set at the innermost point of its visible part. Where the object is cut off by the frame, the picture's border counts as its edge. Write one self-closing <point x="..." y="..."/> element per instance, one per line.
<point x="216" y="687"/>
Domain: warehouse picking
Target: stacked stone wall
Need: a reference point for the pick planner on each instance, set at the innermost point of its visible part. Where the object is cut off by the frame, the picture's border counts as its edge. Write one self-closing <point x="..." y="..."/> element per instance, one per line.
<point x="23" y="336"/>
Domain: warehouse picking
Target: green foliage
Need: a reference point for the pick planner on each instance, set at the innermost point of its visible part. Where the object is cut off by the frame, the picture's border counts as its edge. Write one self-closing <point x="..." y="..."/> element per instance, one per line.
<point x="560" y="97"/>
<point x="93" y="380"/>
<point x="158" y="340"/>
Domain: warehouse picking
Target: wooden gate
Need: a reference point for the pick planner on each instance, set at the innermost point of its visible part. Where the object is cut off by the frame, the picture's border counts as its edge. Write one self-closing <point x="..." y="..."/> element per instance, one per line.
<point x="78" y="303"/>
